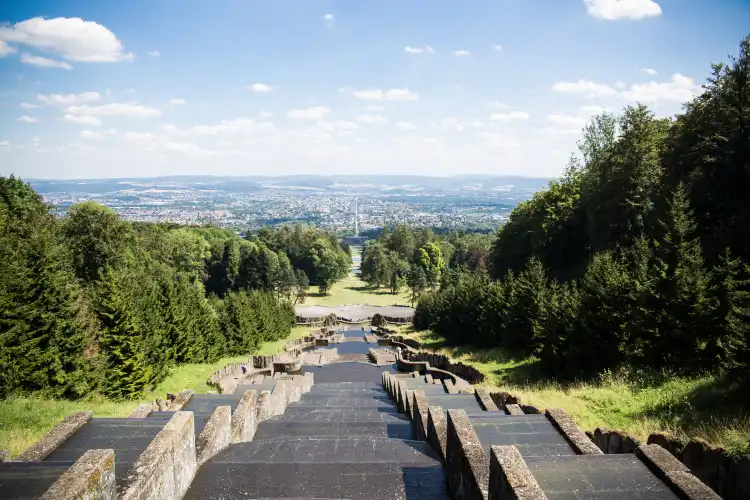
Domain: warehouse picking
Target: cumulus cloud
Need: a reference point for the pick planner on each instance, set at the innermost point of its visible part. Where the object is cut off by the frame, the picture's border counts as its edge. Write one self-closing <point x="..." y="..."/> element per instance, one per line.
<point x="43" y="62"/>
<point x="154" y="53"/>
<point x="83" y="120"/>
<point x="28" y="105"/>
<point x="649" y="71"/>
<point x="584" y="87"/>
<point x="69" y="99"/>
<point x="72" y="38"/>
<point x="115" y="109"/>
<point x="93" y="134"/>
<point x="315" y="112"/>
<point x="512" y="116"/>
<point x="260" y="87"/>
<point x="176" y="102"/>
<point x="6" y="49"/>
<point x="371" y="118"/>
<point x="385" y="95"/>
<point x="498" y="105"/>
<point x="678" y="89"/>
<point x="237" y="126"/>
<point x="461" y="53"/>
<point x="28" y="119"/>
<point x="460" y="124"/>
<point x="418" y="50"/>
<point x="4" y="144"/>
<point x="612" y="10"/>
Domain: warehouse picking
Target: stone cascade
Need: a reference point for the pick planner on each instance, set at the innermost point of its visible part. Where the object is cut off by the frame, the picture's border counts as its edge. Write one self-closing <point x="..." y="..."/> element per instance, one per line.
<point x="495" y="453"/>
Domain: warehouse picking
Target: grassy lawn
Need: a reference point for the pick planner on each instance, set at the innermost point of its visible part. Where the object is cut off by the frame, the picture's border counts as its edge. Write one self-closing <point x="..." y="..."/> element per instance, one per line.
<point x="704" y="407"/>
<point x="23" y="420"/>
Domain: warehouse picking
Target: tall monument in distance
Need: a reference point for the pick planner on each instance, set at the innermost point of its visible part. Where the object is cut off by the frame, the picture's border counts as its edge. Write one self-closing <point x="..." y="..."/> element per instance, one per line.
<point x="356" y="216"/>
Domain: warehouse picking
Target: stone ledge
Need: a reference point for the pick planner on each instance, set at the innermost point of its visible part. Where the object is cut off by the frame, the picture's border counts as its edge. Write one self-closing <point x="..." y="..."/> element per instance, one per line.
<point x="465" y="461"/>
<point x="575" y="436"/>
<point x="408" y="406"/>
<point x="142" y="411"/>
<point x="243" y="418"/>
<point x="54" y="438"/>
<point x="437" y="430"/>
<point x="91" y="477"/>
<point x="216" y="435"/>
<point x="485" y="401"/>
<point x="514" y="410"/>
<point x="167" y="466"/>
<point x="181" y="400"/>
<point x="263" y="407"/>
<point x="419" y="421"/>
<point x="613" y="442"/>
<point x="510" y="477"/>
<point x="428" y="378"/>
<point x="450" y="387"/>
<point x="673" y="472"/>
<point x="684" y="483"/>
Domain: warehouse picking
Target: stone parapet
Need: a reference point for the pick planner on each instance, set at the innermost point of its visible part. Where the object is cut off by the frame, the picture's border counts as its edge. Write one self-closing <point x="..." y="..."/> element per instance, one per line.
<point x="216" y="434"/>
<point x="142" y="411"/>
<point x="181" y="400"/>
<point x="167" y="466"/>
<point x="437" y="430"/>
<point x="263" y="409"/>
<point x="513" y="410"/>
<point x="91" y="477"/>
<point x="61" y="432"/>
<point x="465" y="460"/>
<point x="485" y="401"/>
<point x="673" y="472"/>
<point x="575" y="436"/>
<point x="244" y="421"/>
<point x="420" y="407"/>
<point x="510" y="477"/>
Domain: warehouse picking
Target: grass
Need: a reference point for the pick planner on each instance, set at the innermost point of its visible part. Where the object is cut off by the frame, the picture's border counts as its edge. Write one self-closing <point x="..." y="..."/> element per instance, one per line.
<point x="705" y="407"/>
<point x="25" y="419"/>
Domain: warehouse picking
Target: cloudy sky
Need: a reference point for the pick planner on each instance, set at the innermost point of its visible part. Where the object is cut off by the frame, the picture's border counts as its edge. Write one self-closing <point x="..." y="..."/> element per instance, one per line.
<point x="92" y="88"/>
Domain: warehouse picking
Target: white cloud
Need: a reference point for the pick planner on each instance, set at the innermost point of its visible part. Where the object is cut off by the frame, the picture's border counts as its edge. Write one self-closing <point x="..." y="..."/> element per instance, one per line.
<point x="130" y="91"/>
<point x="265" y="114"/>
<point x="498" y="105"/>
<point x="187" y="148"/>
<point x="316" y="112"/>
<point x="418" y="50"/>
<point x="591" y="110"/>
<point x="385" y="95"/>
<point x="83" y="120"/>
<point x="678" y="89"/>
<point x="330" y="20"/>
<point x="511" y="116"/>
<point x="649" y="71"/>
<point x="406" y="125"/>
<point x="372" y="119"/>
<point x="28" y="119"/>
<point x="43" y="62"/>
<point x="72" y="38"/>
<point x="328" y="17"/>
<point x="6" y="49"/>
<point x="461" y="53"/>
<point x="237" y="126"/>
<point x="459" y="124"/>
<point x="139" y="136"/>
<point x="4" y="144"/>
<point x="93" y="134"/>
<point x="260" y="87"/>
<point x="28" y="105"/>
<point x="612" y="10"/>
<point x="584" y="87"/>
<point x="154" y="53"/>
<point x="567" y="121"/>
<point x="176" y="102"/>
<point x="497" y="47"/>
<point x="69" y="99"/>
<point x="341" y="127"/>
<point x="115" y="109"/>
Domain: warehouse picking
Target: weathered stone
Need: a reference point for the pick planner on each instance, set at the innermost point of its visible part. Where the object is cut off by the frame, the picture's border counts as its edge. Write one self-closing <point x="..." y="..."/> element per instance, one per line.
<point x="689" y="486"/>
<point x="142" y="411"/>
<point x="510" y="478"/>
<point x="181" y="400"/>
<point x="55" y="437"/>
<point x="575" y="436"/>
<point x="659" y="460"/>
<point x="428" y="379"/>
<point x="437" y="430"/>
<point x="513" y="410"/>
<point x="167" y="467"/>
<point x="531" y="410"/>
<point x="419" y="421"/>
<point x="465" y="460"/>
<point x="4" y="455"/>
<point x="263" y="409"/>
<point x="629" y="444"/>
<point x="408" y="400"/>
<point x="485" y="401"/>
<point x="738" y="482"/>
<point x="244" y="418"/>
<point x="91" y="477"/>
<point x="216" y="434"/>
<point x="667" y="441"/>
<point x="162" y="405"/>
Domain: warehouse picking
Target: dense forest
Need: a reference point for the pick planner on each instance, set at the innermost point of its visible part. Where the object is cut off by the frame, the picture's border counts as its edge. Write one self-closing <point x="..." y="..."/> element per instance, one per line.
<point x="420" y="259"/>
<point x="637" y="256"/>
<point x="93" y="303"/>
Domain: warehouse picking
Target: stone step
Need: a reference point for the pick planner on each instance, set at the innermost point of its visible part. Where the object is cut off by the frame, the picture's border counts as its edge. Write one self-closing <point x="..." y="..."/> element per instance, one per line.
<point x="333" y="401"/>
<point x="29" y="480"/>
<point x="338" y="415"/>
<point x="467" y="402"/>
<point x="375" y="481"/>
<point x="538" y="439"/>
<point x="597" y="476"/>
<point x="430" y="389"/>
<point x="266" y="385"/>
<point x="416" y="383"/>
<point x="346" y="385"/>
<point x="278" y="428"/>
<point x="209" y="402"/>
<point x="200" y="418"/>
<point x="348" y="393"/>
<point x="128" y="437"/>
<point x="330" y="450"/>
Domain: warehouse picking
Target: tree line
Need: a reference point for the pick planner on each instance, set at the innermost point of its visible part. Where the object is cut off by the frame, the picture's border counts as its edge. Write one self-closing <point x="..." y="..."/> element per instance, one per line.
<point x="402" y="256"/>
<point x="638" y="255"/>
<point x="93" y="303"/>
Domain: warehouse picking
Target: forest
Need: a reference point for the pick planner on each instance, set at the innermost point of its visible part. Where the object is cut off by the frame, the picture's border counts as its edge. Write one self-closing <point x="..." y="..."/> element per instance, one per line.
<point x="91" y="303"/>
<point x="637" y="256"/>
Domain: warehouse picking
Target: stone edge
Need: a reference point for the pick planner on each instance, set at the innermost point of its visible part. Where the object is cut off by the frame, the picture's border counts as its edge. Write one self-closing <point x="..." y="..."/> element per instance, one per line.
<point x="465" y="460"/>
<point x="510" y="477"/>
<point x="419" y="420"/>
<point x="437" y="430"/>
<point x="91" y="477"/>
<point x="216" y="434"/>
<point x="243" y="418"/>
<point x="575" y="436"/>
<point x="674" y="473"/>
<point x="514" y="410"/>
<point x="55" y="437"/>
<point x="485" y="401"/>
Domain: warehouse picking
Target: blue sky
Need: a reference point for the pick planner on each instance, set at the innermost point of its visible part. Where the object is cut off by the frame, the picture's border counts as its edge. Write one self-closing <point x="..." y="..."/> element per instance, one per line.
<point x="239" y="87"/>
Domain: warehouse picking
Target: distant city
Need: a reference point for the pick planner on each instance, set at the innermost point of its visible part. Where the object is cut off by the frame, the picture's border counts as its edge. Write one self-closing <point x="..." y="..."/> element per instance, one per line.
<point x="329" y="202"/>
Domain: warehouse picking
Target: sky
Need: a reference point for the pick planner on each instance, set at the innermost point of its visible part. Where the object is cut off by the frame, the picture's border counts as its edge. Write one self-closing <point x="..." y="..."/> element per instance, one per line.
<point x="93" y="89"/>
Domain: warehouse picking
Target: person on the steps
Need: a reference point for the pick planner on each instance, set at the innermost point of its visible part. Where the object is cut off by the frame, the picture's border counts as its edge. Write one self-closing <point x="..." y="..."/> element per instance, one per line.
<point x="244" y="368"/>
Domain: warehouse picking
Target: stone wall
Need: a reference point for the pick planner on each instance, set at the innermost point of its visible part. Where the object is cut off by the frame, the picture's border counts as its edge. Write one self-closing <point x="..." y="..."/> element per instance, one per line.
<point x="92" y="477"/>
<point x="466" y="372"/>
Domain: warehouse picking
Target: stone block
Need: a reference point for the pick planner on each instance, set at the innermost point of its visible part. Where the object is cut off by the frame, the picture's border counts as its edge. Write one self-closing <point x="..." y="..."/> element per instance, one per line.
<point x="689" y="486"/>
<point x="437" y="430"/>
<point x="513" y="410"/>
<point x="263" y="410"/>
<point x="91" y="477"/>
<point x="62" y="431"/>
<point x="510" y="477"/>
<point x="667" y="441"/>
<point x="408" y="400"/>
<point x="530" y="410"/>
<point x="450" y="387"/>
<point x="166" y="468"/>
<point x="244" y="419"/>
<point x="419" y="421"/>
<point x="575" y="436"/>
<point x="428" y="378"/>
<point x="216" y="434"/>
<point x="142" y="411"/>
<point x="466" y="463"/>
<point x="485" y="401"/>
<point x="181" y="400"/>
<point x="4" y="456"/>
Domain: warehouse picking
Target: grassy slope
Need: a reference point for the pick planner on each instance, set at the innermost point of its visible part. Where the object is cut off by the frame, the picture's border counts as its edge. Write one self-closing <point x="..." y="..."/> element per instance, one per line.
<point x="701" y="407"/>
<point x="23" y="420"/>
